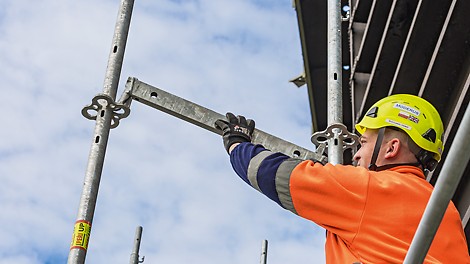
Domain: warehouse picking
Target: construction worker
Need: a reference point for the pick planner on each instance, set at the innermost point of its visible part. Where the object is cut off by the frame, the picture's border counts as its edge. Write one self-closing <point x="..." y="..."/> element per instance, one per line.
<point x="371" y="211"/>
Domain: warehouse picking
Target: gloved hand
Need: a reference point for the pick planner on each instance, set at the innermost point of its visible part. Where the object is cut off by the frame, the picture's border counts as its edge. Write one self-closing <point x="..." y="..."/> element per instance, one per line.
<point x="235" y="129"/>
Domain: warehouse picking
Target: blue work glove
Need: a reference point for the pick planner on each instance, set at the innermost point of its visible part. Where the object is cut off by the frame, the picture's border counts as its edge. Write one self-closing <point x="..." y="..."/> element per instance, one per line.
<point x="235" y="129"/>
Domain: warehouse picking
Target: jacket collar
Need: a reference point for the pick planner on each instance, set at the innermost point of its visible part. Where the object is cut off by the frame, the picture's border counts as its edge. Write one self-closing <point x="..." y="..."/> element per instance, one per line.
<point x="409" y="169"/>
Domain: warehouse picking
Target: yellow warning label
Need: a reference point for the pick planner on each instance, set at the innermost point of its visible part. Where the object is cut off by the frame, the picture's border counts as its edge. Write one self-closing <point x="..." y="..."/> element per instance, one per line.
<point x="81" y="235"/>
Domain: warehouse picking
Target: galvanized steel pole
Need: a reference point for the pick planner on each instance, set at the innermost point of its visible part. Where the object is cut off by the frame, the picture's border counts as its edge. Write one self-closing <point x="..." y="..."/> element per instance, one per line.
<point x="82" y="228"/>
<point x="334" y="79"/>
<point x="136" y="249"/>
<point x="264" y="252"/>
<point x="446" y="185"/>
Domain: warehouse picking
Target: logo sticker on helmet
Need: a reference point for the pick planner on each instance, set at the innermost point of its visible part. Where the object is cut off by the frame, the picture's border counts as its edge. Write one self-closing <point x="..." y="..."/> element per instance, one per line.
<point x="406" y="108"/>
<point x="393" y="122"/>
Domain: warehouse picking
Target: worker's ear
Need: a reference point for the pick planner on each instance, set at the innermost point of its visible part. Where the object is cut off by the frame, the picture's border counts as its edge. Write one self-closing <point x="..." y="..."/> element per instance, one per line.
<point x="392" y="148"/>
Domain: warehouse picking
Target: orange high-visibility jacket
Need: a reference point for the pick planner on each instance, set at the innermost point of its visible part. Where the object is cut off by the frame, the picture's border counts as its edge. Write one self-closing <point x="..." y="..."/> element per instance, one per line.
<point x="370" y="217"/>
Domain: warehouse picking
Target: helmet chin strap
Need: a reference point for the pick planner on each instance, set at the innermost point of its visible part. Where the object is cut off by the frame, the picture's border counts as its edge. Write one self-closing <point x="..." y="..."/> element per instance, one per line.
<point x="375" y="155"/>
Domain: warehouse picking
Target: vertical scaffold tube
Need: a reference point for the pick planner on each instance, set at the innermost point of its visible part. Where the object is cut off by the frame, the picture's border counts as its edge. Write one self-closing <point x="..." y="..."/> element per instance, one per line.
<point x="264" y="252"/>
<point x="334" y="80"/>
<point x="82" y="228"/>
<point x="446" y="184"/>
<point x="135" y="251"/>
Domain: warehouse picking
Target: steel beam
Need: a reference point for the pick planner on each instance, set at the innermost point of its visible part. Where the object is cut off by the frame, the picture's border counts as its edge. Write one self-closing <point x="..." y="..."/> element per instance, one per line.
<point x="437" y="48"/>
<point x="204" y="117"/>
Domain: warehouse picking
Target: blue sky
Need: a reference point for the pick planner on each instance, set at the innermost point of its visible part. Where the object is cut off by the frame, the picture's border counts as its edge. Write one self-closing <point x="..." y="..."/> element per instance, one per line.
<point x="169" y="176"/>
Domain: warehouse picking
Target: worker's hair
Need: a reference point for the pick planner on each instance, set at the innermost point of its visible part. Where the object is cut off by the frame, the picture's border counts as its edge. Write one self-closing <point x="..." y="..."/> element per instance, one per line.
<point x="394" y="132"/>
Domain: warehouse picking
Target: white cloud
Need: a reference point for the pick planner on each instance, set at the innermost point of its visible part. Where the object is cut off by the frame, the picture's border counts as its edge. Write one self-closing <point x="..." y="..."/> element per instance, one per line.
<point x="169" y="176"/>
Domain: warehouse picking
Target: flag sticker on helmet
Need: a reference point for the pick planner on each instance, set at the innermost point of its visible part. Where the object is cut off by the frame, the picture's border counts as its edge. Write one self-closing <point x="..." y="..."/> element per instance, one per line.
<point x="398" y="124"/>
<point x="404" y="115"/>
<point x="406" y="108"/>
<point x="409" y="117"/>
<point x="414" y="119"/>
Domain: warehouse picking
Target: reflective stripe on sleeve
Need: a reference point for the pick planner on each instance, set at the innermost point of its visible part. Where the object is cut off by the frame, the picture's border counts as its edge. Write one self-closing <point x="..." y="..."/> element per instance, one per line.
<point x="253" y="168"/>
<point x="283" y="183"/>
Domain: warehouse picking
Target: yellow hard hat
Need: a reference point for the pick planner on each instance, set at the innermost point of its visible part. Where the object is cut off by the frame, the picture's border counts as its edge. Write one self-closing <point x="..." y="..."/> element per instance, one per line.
<point x="412" y="114"/>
